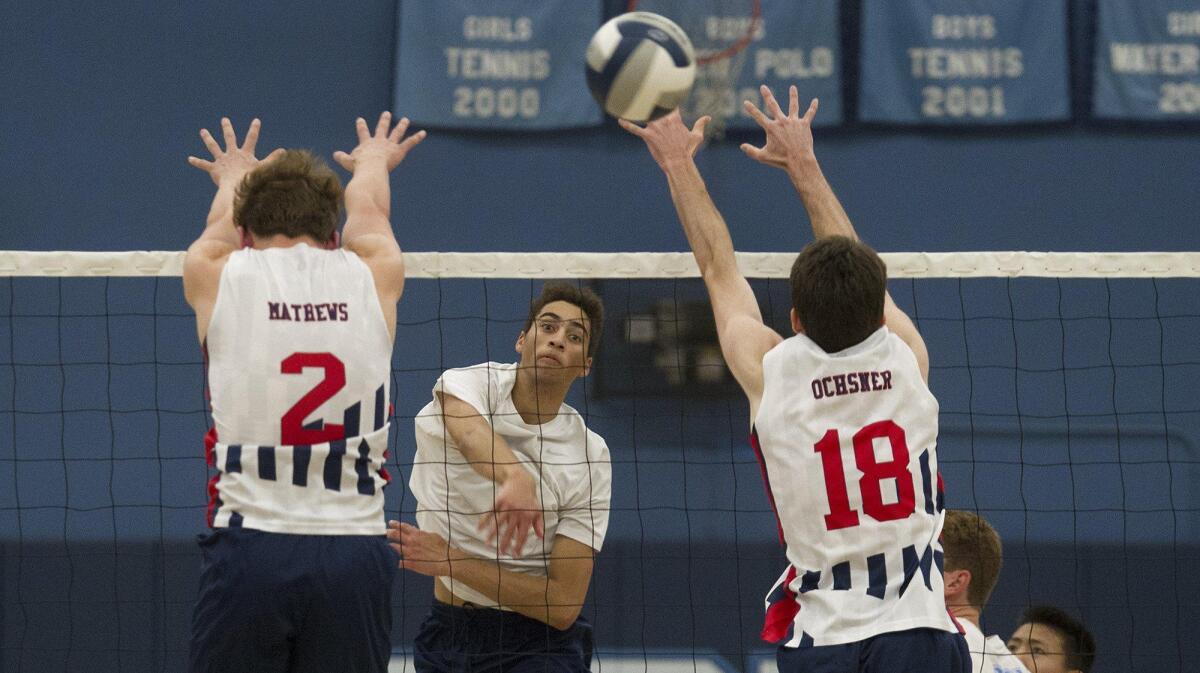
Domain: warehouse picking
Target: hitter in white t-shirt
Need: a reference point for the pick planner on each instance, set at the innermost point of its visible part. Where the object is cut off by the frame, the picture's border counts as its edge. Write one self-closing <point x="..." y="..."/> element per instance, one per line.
<point x="500" y="456"/>
<point x="972" y="567"/>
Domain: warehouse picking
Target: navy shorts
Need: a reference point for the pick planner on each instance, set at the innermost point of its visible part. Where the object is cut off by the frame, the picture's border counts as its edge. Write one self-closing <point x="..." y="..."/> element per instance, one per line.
<point x="484" y="640"/>
<point x="271" y="602"/>
<point x="912" y="651"/>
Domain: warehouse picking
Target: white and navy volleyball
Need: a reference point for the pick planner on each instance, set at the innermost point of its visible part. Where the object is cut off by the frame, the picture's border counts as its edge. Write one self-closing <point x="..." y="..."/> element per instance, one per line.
<point x="640" y="66"/>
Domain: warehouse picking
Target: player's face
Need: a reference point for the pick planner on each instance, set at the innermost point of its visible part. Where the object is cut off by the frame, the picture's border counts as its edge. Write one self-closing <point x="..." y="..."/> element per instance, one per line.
<point x="1040" y="648"/>
<point x="557" y="341"/>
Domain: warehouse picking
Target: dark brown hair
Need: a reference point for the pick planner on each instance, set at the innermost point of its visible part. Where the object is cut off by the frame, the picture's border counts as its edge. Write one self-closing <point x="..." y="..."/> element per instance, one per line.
<point x="583" y="297"/>
<point x="295" y="194"/>
<point x="838" y="286"/>
<point x="972" y="544"/>
<point x="1079" y="646"/>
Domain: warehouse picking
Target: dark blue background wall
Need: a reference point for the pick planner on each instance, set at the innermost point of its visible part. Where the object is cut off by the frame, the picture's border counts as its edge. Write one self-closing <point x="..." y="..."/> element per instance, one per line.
<point x="100" y="104"/>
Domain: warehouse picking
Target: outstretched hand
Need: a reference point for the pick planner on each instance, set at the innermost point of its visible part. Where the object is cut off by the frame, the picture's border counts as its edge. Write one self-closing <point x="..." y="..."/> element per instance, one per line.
<point x="389" y="147"/>
<point x="234" y="162"/>
<point x="789" y="142"/>
<point x="518" y="510"/>
<point x="669" y="139"/>
<point x="420" y="551"/>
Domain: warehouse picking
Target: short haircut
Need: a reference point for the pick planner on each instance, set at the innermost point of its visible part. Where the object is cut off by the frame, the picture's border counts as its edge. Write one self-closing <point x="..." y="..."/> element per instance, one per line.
<point x="970" y="543"/>
<point x="295" y="194"/>
<point x="583" y="297"/>
<point x="838" y="289"/>
<point x="1079" y="646"/>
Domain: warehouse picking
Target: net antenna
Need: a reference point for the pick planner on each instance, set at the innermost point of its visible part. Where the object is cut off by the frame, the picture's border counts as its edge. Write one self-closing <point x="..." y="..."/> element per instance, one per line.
<point x="721" y="31"/>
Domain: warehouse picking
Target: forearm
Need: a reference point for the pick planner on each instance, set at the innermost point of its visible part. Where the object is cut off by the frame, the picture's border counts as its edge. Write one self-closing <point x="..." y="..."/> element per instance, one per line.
<point x="219" y="225"/>
<point x="368" y="199"/>
<point x="535" y="596"/>
<point x="486" y="452"/>
<point x="703" y="225"/>
<point x="825" y="212"/>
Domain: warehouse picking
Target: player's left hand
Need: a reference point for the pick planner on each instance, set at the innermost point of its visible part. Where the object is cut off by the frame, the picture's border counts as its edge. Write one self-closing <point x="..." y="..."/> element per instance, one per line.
<point x="387" y="144"/>
<point x="232" y="163"/>
<point x="789" y="136"/>
<point x="669" y="139"/>
<point x="420" y="551"/>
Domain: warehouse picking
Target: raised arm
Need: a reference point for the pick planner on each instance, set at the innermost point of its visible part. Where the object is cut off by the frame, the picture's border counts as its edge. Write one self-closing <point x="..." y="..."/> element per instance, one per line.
<point x="555" y="599"/>
<point x="368" y="231"/>
<point x="206" y="256"/>
<point x="743" y="336"/>
<point x="517" y="508"/>
<point x="789" y="147"/>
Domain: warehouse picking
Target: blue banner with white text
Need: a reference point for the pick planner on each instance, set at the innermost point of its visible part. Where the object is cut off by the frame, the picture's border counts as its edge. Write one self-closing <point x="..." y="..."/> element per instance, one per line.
<point x="1147" y="63"/>
<point x="495" y="64"/>
<point x="797" y="42"/>
<point x="964" y="62"/>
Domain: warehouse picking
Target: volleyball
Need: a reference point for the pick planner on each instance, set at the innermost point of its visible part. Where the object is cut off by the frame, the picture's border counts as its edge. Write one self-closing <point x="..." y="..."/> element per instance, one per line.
<point x="640" y="66"/>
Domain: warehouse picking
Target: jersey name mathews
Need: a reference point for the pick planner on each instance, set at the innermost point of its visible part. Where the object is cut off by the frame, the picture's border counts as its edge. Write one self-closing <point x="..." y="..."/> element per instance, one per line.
<point x="277" y="310"/>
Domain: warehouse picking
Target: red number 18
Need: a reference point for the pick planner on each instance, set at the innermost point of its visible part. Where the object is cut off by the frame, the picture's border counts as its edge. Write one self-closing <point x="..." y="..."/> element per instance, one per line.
<point x="873" y="473"/>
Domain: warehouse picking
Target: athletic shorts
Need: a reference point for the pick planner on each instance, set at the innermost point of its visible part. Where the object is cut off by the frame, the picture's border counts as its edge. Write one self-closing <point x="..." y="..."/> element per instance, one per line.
<point x="912" y="651"/>
<point x="275" y="603"/>
<point x="484" y="640"/>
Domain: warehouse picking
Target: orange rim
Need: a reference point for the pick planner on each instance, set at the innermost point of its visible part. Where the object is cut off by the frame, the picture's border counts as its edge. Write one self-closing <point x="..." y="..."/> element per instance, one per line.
<point x="755" y="18"/>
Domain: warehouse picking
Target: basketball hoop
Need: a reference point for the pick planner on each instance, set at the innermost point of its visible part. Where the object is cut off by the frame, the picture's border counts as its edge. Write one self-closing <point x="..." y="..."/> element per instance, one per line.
<point x="720" y="31"/>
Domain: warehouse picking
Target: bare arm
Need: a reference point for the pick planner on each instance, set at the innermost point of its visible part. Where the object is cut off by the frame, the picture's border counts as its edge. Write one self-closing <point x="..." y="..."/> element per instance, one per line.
<point x="206" y="256"/>
<point x="555" y="599"/>
<point x="517" y="508"/>
<point x="368" y="231"/>
<point x="789" y="147"/>
<point x="743" y="335"/>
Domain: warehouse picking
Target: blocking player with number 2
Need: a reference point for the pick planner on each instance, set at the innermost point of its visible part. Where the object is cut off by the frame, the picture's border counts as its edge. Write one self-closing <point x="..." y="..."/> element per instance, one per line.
<point x="297" y="331"/>
<point x="842" y="418"/>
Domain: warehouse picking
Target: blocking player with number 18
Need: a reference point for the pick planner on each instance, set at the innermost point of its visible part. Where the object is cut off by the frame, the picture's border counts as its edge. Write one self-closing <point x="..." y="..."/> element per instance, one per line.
<point x="841" y="416"/>
<point x="297" y="330"/>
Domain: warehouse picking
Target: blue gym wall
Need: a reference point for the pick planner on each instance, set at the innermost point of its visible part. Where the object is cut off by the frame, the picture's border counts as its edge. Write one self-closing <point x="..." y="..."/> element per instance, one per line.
<point x="99" y="107"/>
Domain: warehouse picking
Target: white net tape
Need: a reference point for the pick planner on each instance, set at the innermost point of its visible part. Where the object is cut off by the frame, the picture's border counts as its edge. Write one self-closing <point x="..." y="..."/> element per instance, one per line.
<point x="651" y="265"/>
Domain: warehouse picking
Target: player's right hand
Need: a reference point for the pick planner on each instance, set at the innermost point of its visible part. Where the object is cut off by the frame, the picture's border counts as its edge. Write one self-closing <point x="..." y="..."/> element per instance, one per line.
<point x="518" y="510"/>
<point x="390" y="147"/>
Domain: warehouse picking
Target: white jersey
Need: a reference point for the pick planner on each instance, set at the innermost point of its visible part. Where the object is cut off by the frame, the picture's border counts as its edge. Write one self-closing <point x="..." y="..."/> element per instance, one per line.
<point x="570" y="465"/>
<point x="989" y="655"/>
<point x="847" y="442"/>
<point x="299" y="359"/>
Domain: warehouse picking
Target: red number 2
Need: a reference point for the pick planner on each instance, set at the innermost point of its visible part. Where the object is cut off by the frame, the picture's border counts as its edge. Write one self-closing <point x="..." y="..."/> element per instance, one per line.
<point x="874" y="472"/>
<point x="291" y="426"/>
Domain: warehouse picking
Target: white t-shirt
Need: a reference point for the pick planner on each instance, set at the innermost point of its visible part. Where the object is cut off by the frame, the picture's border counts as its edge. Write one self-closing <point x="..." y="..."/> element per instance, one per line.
<point x="989" y="655"/>
<point x="570" y="465"/>
<point x="849" y="444"/>
<point x="299" y="361"/>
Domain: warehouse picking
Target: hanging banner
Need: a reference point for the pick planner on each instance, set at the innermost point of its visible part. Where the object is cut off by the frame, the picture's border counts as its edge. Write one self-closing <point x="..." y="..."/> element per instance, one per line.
<point x="495" y="64"/>
<point x="797" y="42"/>
<point x="1147" y="60"/>
<point x="962" y="62"/>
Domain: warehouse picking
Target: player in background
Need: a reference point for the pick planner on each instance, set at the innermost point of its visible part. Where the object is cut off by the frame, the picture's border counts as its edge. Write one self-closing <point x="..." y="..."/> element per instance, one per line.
<point x="1051" y="641"/>
<point x="973" y="559"/>
<point x="841" y="414"/>
<point x="298" y="334"/>
<point x="500" y="456"/>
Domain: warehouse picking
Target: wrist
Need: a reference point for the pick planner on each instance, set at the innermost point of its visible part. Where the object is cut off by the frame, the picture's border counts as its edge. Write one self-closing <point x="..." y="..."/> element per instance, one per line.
<point x="805" y="175"/>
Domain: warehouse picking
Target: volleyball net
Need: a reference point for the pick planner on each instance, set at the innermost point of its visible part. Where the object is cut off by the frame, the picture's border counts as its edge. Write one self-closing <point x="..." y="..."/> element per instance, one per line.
<point x="1069" y="420"/>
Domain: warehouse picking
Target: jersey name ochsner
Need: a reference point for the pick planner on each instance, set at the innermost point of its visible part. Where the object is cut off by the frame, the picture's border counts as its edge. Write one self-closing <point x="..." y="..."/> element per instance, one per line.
<point x="853" y="382"/>
<point x="334" y="312"/>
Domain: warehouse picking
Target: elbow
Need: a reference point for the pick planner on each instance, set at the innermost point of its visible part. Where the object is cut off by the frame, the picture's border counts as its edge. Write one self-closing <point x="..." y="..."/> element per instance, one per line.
<point x="563" y="617"/>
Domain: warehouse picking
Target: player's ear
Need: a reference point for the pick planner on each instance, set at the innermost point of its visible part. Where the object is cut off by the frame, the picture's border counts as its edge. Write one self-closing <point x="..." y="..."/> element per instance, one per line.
<point x="520" y="347"/>
<point x="587" y="366"/>
<point x="797" y="326"/>
<point x="335" y="241"/>
<point x="246" y="236"/>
